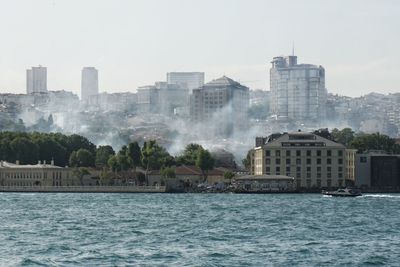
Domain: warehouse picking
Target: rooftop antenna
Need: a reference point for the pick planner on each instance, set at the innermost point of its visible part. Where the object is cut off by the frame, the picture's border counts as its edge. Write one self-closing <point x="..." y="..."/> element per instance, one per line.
<point x="293" y="48"/>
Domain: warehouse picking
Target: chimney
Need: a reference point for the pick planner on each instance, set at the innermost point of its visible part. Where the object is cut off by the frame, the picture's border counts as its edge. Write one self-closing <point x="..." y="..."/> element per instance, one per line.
<point x="17" y="162"/>
<point x="39" y="162"/>
<point x="52" y="162"/>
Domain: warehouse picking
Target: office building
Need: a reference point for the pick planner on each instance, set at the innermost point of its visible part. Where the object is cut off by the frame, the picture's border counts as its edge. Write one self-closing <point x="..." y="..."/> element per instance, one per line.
<point x="186" y="80"/>
<point x="36" y="80"/>
<point x="297" y="90"/>
<point x="89" y="83"/>
<point x="223" y="101"/>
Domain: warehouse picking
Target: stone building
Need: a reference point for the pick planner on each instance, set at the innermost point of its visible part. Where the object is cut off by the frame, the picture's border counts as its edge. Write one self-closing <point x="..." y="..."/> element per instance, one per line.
<point x="314" y="162"/>
<point x="297" y="90"/>
<point x="41" y="174"/>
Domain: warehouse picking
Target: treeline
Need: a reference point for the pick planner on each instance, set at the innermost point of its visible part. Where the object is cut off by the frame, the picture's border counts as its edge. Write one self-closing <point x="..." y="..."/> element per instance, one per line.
<point x="29" y="148"/>
<point x="77" y="151"/>
<point x="363" y="142"/>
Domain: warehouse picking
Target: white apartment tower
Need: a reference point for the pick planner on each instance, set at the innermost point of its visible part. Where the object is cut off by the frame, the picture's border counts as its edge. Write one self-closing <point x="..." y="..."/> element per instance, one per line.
<point x="297" y="90"/>
<point x="90" y="83"/>
<point x="36" y="80"/>
<point x="186" y="80"/>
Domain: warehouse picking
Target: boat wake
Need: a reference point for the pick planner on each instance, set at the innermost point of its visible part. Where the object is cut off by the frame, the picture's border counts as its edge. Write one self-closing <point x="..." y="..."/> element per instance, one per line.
<point x="382" y="196"/>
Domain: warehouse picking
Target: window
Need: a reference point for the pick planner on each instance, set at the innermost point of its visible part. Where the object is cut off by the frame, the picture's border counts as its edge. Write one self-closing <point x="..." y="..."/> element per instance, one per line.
<point x="328" y="161"/>
<point x="318" y="183"/>
<point x="340" y="161"/>
<point x="308" y="175"/>
<point x="287" y="161"/>
<point x="319" y="161"/>
<point x="298" y="153"/>
<point x="278" y="170"/>
<point x="308" y="153"/>
<point x="318" y="175"/>
<point x="308" y="161"/>
<point x="319" y="153"/>
<point x="278" y="153"/>
<point x="287" y="153"/>
<point x="287" y="169"/>
<point x="340" y="153"/>
<point x="268" y="161"/>
<point x="267" y="169"/>
<point x="267" y="153"/>
<point x="298" y="161"/>
<point x="298" y="175"/>
<point x="298" y="169"/>
<point x="340" y="169"/>
<point x="277" y="161"/>
<point x="340" y="175"/>
<point x="329" y="153"/>
<point x="328" y="169"/>
<point x="308" y="169"/>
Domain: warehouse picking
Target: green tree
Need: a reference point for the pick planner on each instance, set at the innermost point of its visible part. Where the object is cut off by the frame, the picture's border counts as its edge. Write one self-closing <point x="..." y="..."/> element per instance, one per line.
<point x="113" y="164"/>
<point x="80" y="173"/>
<point x="247" y="161"/>
<point x="135" y="155"/>
<point x="24" y="150"/>
<point x="376" y="141"/>
<point x="205" y="162"/>
<point x="50" y="149"/>
<point x="81" y="158"/>
<point x="103" y="154"/>
<point x="155" y="156"/>
<point x="189" y="155"/>
<point x="229" y="175"/>
<point x="344" y="136"/>
<point x="168" y="172"/>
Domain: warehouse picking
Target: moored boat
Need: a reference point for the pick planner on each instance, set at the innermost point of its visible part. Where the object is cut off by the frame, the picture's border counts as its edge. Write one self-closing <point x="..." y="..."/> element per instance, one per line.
<point x="345" y="192"/>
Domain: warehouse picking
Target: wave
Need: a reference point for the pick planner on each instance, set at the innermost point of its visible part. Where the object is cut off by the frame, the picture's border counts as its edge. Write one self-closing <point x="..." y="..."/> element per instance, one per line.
<point x="382" y="196"/>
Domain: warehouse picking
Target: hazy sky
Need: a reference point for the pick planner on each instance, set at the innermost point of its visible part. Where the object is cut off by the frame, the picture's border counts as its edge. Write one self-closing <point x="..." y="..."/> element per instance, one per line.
<point x="134" y="43"/>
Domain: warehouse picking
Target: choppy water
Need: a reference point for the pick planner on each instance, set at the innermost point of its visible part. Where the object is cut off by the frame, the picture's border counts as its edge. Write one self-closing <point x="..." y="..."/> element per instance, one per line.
<point x="198" y="230"/>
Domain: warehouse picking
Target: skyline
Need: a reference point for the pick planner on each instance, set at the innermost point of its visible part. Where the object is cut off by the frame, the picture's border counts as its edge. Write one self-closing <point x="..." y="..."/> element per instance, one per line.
<point x="135" y="43"/>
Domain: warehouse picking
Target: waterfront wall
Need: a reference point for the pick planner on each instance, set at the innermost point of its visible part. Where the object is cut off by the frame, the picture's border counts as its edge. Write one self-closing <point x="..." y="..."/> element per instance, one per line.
<point x="85" y="189"/>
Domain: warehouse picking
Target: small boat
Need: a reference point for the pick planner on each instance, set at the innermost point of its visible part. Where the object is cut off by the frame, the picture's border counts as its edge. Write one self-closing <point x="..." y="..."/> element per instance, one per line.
<point x="345" y="192"/>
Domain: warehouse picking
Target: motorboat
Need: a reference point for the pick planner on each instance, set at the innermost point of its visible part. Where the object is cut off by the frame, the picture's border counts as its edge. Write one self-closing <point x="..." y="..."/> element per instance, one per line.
<point x="345" y="192"/>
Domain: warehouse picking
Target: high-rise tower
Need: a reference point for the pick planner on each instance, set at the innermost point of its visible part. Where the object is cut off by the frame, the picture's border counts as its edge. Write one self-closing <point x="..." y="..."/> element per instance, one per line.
<point x="297" y="90"/>
<point x="90" y="83"/>
<point x="36" y="80"/>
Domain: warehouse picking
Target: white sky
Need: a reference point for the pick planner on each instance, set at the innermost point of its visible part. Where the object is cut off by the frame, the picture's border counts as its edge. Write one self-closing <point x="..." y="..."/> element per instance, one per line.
<point x="135" y="42"/>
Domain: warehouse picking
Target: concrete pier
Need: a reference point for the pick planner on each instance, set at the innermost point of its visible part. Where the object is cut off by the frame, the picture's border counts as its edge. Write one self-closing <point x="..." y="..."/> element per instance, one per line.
<point x="84" y="189"/>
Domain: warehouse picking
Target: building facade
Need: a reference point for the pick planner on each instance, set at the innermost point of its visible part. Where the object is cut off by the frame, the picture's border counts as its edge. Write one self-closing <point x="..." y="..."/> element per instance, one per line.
<point x="36" y="80"/>
<point x="89" y="83"/>
<point x="148" y="99"/>
<point x="186" y="80"/>
<point x="314" y="162"/>
<point x="378" y="170"/>
<point x="41" y="174"/>
<point x="297" y="90"/>
<point x="224" y="101"/>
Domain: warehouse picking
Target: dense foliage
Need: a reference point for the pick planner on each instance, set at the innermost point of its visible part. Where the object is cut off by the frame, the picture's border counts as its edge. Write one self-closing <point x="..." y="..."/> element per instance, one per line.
<point x="29" y="148"/>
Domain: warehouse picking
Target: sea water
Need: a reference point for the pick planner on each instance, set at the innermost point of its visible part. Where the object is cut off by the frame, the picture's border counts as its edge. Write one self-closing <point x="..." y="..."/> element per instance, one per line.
<point x="71" y="229"/>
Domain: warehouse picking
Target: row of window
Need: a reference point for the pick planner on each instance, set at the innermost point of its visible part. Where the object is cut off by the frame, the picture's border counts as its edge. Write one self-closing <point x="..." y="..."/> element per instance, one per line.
<point x="308" y="161"/>
<point x="288" y="153"/>
<point x="29" y="175"/>
<point x="318" y="183"/>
